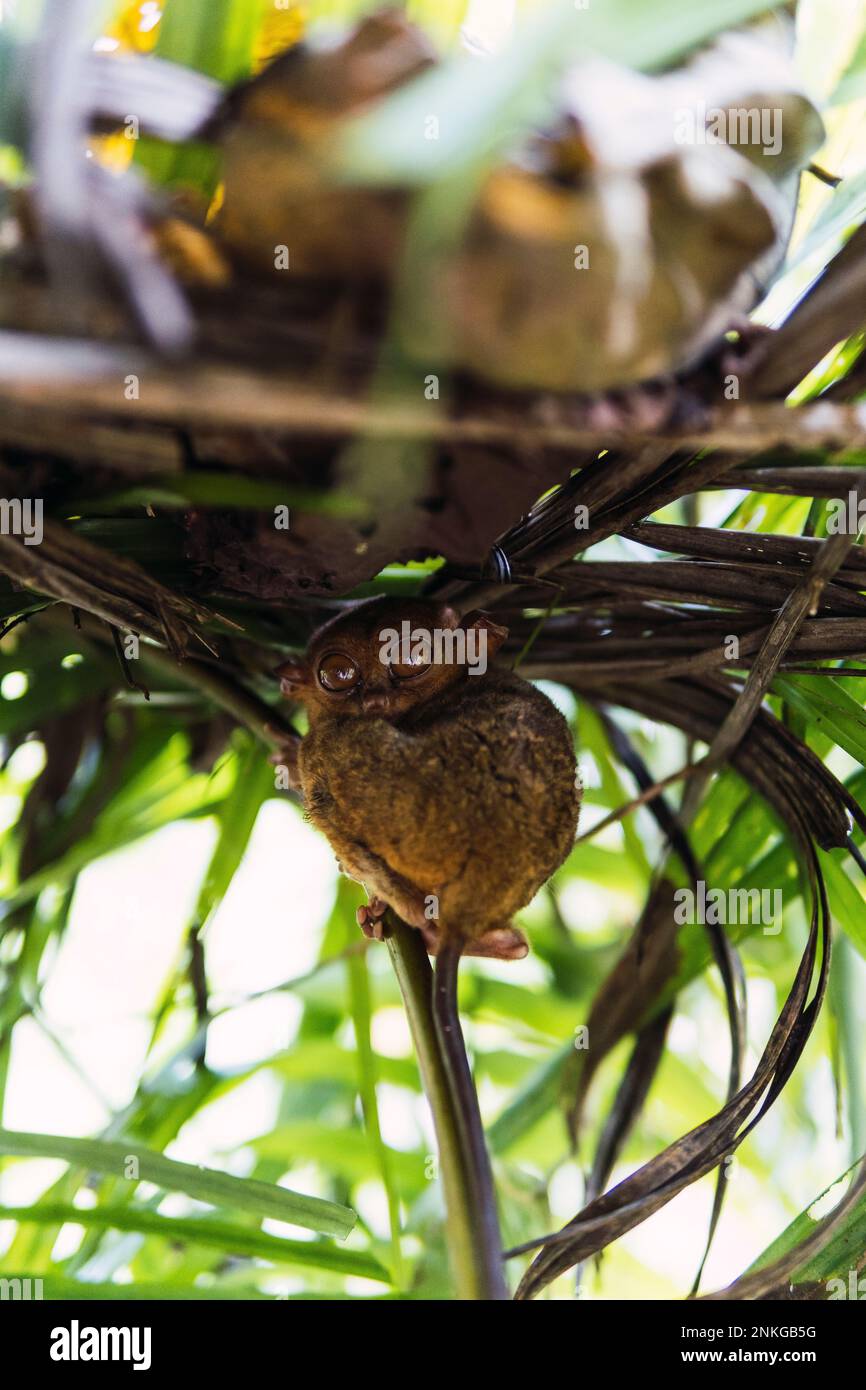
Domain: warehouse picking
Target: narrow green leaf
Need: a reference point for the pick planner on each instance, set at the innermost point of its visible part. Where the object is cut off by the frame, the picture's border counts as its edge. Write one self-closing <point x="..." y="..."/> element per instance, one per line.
<point x="828" y="707"/>
<point x="361" y="1006"/>
<point x="843" y="1251"/>
<point x="55" y="1288"/>
<point x="212" y="36"/>
<point x="205" y="1184"/>
<point x="846" y="903"/>
<point x="223" y="1235"/>
<point x="215" y="37"/>
<point x="254" y="782"/>
<point x="531" y="1103"/>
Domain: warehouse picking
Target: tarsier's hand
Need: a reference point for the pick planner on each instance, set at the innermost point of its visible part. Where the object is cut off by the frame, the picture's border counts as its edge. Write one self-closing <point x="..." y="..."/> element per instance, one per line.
<point x="288" y="757"/>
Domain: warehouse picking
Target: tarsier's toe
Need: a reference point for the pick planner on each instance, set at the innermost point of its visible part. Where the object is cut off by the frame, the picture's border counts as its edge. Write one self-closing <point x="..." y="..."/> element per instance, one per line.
<point x="370" y="919"/>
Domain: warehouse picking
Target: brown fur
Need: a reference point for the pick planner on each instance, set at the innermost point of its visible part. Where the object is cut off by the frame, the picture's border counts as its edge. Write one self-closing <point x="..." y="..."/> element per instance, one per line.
<point x="458" y="786"/>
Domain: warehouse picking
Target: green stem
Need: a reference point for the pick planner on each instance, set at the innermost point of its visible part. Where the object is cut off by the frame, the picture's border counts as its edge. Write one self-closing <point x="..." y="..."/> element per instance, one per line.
<point x="845" y="984"/>
<point x="415" y="978"/>
<point x="362" y="1013"/>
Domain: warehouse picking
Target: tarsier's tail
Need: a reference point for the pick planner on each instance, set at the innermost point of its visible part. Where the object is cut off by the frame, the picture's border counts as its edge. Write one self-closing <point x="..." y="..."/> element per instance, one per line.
<point x="475" y="1160"/>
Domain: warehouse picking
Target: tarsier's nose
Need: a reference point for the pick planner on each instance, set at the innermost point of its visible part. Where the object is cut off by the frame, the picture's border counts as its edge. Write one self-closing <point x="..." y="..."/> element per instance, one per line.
<point x="374" y="701"/>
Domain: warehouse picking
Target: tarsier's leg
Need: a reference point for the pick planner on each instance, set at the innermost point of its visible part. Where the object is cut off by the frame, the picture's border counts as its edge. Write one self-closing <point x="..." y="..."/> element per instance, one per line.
<point x="357" y="861"/>
<point x="384" y="887"/>
<point x="388" y="889"/>
<point x="501" y="942"/>
<point x="504" y="942"/>
<point x="459" y="910"/>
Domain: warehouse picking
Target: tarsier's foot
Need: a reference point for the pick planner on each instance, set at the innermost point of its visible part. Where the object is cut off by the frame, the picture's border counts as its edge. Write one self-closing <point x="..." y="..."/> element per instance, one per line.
<point x="500" y="943"/>
<point x="370" y="919"/>
<point x="497" y="943"/>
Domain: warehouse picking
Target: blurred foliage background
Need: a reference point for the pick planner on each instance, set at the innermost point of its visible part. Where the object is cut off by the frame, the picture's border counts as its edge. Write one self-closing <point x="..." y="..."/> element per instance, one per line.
<point x="180" y="968"/>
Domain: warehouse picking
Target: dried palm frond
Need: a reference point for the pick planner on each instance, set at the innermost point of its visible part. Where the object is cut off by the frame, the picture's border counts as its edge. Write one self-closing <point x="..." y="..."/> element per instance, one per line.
<point x="249" y="393"/>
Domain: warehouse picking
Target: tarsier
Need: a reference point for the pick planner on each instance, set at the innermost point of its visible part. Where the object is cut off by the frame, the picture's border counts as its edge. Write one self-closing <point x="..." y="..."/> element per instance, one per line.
<point x="449" y="790"/>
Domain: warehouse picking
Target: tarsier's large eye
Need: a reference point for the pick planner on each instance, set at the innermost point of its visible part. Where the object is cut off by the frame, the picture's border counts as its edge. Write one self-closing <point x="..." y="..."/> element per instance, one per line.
<point x="404" y="670"/>
<point x="338" y="672"/>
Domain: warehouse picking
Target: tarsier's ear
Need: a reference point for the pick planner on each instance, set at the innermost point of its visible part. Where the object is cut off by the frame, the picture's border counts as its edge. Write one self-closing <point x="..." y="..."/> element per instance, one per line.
<point x="496" y="633"/>
<point x="295" y="677"/>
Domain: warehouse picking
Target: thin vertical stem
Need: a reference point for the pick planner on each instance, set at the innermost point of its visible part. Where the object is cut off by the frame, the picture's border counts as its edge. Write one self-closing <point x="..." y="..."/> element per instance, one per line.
<point x="473" y="1279"/>
<point x="359" y="989"/>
